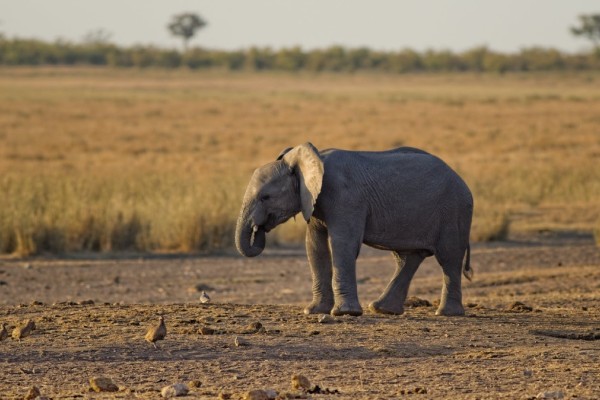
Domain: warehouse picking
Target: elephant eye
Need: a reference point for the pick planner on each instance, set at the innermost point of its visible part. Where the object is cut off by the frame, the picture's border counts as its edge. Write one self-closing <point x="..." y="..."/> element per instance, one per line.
<point x="265" y="197"/>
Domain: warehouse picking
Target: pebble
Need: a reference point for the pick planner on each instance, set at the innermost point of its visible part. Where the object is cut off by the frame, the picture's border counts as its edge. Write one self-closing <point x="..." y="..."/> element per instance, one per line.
<point x="206" y="330"/>
<point x="415" y="302"/>
<point x="254" y="327"/>
<point x="517" y="306"/>
<point x="325" y="319"/>
<point x="195" y="383"/>
<point x="550" y="395"/>
<point x="528" y="373"/>
<point x="256" y="395"/>
<point x="300" y="382"/>
<point x="103" y="384"/>
<point x="175" y="390"/>
<point x="32" y="393"/>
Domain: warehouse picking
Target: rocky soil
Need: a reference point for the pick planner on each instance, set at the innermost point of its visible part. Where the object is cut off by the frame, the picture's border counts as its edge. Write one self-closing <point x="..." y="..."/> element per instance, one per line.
<point x="532" y="328"/>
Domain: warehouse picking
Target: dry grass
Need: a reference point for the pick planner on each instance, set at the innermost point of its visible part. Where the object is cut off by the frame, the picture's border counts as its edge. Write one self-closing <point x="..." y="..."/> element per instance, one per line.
<point x="101" y="159"/>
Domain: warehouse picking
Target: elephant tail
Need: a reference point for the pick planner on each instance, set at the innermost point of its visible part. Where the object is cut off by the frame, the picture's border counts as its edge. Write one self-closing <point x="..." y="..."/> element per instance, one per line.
<point x="467" y="270"/>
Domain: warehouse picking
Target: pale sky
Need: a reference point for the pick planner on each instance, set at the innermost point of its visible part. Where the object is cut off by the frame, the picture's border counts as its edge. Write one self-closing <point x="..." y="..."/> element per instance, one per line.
<point x="457" y="25"/>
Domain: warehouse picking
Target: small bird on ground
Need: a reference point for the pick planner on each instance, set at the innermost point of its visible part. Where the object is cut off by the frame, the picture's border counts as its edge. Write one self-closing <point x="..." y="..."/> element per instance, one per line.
<point x="204" y="298"/>
<point x="3" y="333"/>
<point x="23" y="331"/>
<point x="157" y="332"/>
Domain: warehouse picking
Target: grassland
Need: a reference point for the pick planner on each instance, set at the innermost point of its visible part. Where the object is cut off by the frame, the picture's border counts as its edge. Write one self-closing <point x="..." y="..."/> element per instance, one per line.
<point x="104" y="159"/>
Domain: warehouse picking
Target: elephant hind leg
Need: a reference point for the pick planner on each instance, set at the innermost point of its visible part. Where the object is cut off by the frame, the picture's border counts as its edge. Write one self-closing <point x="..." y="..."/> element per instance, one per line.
<point x="392" y="299"/>
<point x="451" y="299"/>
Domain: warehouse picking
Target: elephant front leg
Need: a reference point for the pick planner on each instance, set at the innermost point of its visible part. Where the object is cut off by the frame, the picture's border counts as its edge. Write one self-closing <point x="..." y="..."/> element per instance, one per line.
<point x="319" y="258"/>
<point x="392" y="299"/>
<point x="344" y="254"/>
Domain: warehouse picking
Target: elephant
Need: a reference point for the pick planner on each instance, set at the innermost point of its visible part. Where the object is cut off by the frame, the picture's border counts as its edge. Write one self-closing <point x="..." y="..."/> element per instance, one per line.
<point x="404" y="200"/>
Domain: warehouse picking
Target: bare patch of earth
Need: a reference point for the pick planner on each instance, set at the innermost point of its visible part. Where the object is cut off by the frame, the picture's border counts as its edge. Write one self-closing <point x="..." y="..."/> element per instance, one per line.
<point x="532" y="324"/>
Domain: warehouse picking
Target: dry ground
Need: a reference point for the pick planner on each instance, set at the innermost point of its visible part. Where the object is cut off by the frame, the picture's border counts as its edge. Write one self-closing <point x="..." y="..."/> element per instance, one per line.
<point x="493" y="352"/>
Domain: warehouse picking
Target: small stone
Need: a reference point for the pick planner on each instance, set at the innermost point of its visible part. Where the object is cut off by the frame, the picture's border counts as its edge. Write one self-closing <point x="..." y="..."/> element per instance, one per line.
<point x="86" y="303"/>
<point x="300" y="382"/>
<point x="271" y="394"/>
<point x="224" y="396"/>
<point x="32" y="393"/>
<point x="256" y="395"/>
<point x="550" y="395"/>
<point x="325" y="319"/>
<point x="517" y="306"/>
<point x="239" y="342"/>
<point x="37" y="303"/>
<point x="528" y="373"/>
<point x="195" y="383"/>
<point x="254" y="327"/>
<point x="414" y="302"/>
<point x="206" y="330"/>
<point x="103" y="384"/>
<point x="175" y="390"/>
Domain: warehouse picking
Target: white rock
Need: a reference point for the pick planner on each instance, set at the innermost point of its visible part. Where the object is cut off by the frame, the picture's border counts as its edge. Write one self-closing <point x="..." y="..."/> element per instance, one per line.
<point x="177" y="389"/>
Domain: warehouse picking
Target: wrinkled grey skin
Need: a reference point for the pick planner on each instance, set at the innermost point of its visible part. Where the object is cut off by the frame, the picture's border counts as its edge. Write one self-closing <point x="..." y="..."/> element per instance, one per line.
<point x="403" y="200"/>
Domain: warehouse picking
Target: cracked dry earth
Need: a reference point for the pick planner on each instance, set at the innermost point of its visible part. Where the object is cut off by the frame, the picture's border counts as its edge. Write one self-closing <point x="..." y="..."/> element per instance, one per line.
<point x="546" y="345"/>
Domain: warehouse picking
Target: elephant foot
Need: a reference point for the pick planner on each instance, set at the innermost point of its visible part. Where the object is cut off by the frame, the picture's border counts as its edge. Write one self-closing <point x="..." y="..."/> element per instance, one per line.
<point x="450" y="309"/>
<point x="318" y="308"/>
<point x="381" y="307"/>
<point x="353" y="309"/>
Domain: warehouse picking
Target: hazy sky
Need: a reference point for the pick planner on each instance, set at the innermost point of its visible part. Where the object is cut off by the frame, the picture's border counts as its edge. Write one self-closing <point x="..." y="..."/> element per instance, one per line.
<point x="506" y="25"/>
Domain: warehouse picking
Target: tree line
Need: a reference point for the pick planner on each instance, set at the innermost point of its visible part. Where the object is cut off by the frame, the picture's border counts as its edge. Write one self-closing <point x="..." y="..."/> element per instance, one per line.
<point x="17" y="51"/>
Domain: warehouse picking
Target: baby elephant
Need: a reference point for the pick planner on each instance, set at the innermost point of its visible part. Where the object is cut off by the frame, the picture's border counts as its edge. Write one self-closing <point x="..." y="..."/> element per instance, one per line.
<point x="404" y="200"/>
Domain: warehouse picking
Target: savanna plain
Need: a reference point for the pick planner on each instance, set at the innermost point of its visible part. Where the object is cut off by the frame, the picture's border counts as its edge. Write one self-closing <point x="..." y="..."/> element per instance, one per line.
<point x="119" y="194"/>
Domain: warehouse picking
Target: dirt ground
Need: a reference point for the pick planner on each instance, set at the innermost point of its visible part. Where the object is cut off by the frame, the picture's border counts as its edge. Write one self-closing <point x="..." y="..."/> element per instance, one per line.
<point x="92" y="314"/>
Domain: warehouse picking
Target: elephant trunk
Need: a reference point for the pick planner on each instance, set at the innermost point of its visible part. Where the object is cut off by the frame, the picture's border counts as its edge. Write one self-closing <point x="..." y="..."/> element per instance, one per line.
<point x="249" y="238"/>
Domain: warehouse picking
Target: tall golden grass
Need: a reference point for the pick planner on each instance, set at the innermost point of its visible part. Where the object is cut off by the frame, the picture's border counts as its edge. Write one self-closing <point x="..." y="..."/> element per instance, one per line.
<point x="104" y="160"/>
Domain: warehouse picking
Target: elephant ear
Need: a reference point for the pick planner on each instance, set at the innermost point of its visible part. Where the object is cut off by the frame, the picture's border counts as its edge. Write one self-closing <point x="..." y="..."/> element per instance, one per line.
<point x="307" y="165"/>
<point x="283" y="153"/>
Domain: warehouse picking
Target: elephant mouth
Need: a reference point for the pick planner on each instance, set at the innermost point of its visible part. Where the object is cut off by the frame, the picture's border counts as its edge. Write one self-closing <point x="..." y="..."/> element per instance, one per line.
<point x="267" y="227"/>
<point x="256" y="231"/>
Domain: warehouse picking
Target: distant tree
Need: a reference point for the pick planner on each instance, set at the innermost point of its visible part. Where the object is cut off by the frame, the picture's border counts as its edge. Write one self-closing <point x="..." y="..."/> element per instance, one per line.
<point x="185" y="25"/>
<point x="589" y="27"/>
<point x="97" y="37"/>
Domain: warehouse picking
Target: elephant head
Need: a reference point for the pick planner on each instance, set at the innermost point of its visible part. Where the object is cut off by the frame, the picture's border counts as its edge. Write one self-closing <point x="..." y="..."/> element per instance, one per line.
<point x="277" y="191"/>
